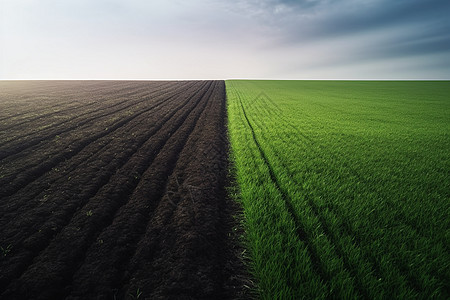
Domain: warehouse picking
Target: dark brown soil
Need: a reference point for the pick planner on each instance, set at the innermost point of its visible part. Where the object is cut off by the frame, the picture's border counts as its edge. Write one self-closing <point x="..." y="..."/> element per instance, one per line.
<point x="115" y="190"/>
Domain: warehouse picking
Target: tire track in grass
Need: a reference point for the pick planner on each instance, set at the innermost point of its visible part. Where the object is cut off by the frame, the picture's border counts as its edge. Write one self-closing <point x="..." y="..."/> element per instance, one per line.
<point x="329" y="234"/>
<point x="132" y="219"/>
<point x="65" y="260"/>
<point x="335" y="158"/>
<point x="281" y="261"/>
<point x="324" y="224"/>
<point x="376" y="267"/>
<point x="332" y="237"/>
<point x="18" y="147"/>
<point x="413" y="282"/>
<point x="24" y="178"/>
<point x="37" y="241"/>
<point x="314" y="146"/>
<point x="302" y="235"/>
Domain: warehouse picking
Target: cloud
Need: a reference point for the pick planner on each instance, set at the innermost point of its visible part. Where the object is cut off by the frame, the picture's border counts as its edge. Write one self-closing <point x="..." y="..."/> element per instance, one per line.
<point x="318" y="19"/>
<point x="236" y="38"/>
<point x="350" y="32"/>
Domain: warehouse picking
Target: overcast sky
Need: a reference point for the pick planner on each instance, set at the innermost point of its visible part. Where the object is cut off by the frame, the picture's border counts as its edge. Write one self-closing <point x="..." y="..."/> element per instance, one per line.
<point x="209" y="39"/>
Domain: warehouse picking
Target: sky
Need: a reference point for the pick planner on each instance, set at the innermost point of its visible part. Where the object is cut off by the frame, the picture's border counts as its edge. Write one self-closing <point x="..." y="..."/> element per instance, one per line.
<point x="211" y="39"/>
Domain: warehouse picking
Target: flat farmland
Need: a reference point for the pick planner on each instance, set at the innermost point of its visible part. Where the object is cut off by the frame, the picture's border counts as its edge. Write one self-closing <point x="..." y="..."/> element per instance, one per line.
<point x="345" y="187"/>
<point x="152" y="189"/>
<point x="114" y="189"/>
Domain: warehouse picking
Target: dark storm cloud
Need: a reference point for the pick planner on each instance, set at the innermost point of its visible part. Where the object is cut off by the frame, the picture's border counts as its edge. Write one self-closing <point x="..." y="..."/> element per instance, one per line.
<point x="306" y="20"/>
<point x="323" y="18"/>
<point x="386" y="14"/>
<point x="373" y="29"/>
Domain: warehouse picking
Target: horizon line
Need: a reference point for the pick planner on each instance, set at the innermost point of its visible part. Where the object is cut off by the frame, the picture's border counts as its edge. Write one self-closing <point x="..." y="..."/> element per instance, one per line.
<point x="204" y="79"/>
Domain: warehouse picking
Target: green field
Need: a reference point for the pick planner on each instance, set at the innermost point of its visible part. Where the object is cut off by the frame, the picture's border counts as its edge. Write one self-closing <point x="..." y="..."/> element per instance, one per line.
<point x="345" y="186"/>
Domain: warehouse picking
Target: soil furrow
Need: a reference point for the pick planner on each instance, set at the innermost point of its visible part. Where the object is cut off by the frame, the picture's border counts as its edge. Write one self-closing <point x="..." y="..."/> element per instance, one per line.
<point x="133" y="198"/>
<point x="51" y="120"/>
<point x="39" y="154"/>
<point x="26" y="177"/>
<point x="130" y="222"/>
<point x="24" y="205"/>
<point x="83" y="228"/>
<point x="56" y="220"/>
<point x="46" y="99"/>
<point x="40" y="136"/>
<point x="182" y="245"/>
<point x="89" y="92"/>
<point x="86" y="157"/>
<point x="88" y="108"/>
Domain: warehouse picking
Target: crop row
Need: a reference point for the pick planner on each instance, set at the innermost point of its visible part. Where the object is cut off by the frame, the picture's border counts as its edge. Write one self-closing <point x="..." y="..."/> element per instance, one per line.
<point x="334" y="204"/>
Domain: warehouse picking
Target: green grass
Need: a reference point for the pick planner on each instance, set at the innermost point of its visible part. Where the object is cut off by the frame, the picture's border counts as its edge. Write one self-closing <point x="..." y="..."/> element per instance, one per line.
<point x="345" y="186"/>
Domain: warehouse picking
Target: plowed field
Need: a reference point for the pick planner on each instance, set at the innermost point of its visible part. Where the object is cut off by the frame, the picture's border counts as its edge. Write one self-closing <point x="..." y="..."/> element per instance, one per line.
<point x="114" y="190"/>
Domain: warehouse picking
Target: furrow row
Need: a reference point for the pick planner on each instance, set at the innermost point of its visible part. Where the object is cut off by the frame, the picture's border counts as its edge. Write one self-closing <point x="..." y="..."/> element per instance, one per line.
<point x="82" y="171"/>
<point x="117" y="188"/>
<point x="132" y="218"/>
<point x="23" y="176"/>
<point x="86" y="97"/>
<point x="15" y="146"/>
